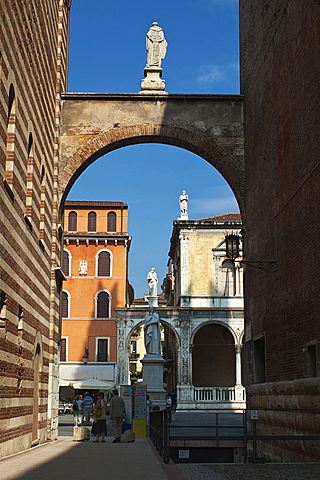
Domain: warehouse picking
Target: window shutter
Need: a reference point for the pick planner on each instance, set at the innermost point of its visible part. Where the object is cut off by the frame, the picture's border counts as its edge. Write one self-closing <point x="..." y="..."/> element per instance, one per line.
<point x="65" y="305"/>
<point x="72" y="222"/>
<point x="103" y="305"/>
<point x="63" y="350"/>
<point x="92" y="222"/>
<point x="104" y="264"/>
<point x="112" y="222"/>
<point x="65" y="263"/>
<point x="102" y="350"/>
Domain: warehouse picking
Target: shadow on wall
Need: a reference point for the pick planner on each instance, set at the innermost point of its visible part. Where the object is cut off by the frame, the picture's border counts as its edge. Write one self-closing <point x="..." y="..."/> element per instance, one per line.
<point x="213" y="357"/>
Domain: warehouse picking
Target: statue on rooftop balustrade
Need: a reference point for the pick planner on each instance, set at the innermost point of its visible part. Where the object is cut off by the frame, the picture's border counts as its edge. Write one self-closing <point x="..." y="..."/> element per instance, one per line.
<point x="183" y="202"/>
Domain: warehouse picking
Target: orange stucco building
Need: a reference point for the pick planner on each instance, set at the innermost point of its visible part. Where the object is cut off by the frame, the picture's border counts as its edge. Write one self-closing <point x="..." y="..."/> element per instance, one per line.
<point x="95" y="263"/>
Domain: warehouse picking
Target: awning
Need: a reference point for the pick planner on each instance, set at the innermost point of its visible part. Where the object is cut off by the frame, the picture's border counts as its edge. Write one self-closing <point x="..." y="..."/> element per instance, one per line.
<point x="65" y="383"/>
<point x="93" y="384"/>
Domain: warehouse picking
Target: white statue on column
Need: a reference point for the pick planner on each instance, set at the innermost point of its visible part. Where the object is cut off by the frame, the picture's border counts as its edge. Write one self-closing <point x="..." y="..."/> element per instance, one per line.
<point x="152" y="336"/>
<point x="156" y="46"/>
<point x="152" y="283"/>
<point x="183" y="202"/>
<point x="153" y="362"/>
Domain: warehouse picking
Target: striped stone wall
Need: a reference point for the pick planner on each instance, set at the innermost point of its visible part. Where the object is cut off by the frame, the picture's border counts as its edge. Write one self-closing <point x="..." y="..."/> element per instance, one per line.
<point x="33" y="53"/>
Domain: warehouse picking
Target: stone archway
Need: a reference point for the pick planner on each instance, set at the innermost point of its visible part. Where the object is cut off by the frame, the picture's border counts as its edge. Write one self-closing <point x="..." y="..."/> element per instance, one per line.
<point x="213" y="357"/>
<point x="210" y="126"/>
<point x="135" y="323"/>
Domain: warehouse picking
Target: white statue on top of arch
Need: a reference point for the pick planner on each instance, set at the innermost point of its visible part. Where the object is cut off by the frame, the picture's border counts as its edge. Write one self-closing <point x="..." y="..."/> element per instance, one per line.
<point x="156" y="46"/>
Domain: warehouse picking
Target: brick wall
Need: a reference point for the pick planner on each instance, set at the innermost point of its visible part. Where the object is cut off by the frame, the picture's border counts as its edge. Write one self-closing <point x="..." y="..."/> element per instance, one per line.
<point x="33" y="48"/>
<point x="280" y="72"/>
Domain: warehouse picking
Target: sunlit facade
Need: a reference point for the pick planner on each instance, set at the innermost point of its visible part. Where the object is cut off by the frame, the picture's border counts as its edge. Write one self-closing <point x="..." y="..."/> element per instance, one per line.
<point x="95" y="264"/>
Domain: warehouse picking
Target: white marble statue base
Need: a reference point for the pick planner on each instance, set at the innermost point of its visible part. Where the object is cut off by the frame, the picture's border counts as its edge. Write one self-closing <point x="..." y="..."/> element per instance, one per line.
<point x="152" y="301"/>
<point x="153" y="377"/>
<point x="153" y="83"/>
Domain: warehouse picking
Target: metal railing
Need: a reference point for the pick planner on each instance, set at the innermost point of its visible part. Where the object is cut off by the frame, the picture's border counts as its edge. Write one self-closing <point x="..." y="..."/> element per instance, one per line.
<point x="249" y="430"/>
<point x="260" y="426"/>
<point x="159" y="432"/>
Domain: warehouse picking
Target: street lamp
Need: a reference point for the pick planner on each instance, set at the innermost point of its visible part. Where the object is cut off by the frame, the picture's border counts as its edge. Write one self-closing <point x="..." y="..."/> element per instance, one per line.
<point x="233" y="252"/>
<point x="85" y="356"/>
<point x="232" y="246"/>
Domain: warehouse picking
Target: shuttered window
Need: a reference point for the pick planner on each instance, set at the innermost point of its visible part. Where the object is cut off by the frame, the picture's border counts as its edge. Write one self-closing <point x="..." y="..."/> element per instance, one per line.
<point x="104" y="262"/>
<point x="72" y="222"/>
<point x="103" y="305"/>
<point x="63" y="350"/>
<point x="65" y="305"/>
<point x="112" y="222"/>
<point x="92" y="222"/>
<point x="66" y="263"/>
<point x="102" y="350"/>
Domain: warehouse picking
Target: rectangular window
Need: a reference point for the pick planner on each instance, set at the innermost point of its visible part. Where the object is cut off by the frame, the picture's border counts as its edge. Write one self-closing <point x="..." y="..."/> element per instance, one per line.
<point x="133" y="346"/>
<point x="20" y="320"/>
<point x="133" y="367"/>
<point x="3" y="309"/>
<point x="259" y="360"/>
<point x="66" y="263"/>
<point x="64" y="305"/>
<point x="102" y="349"/>
<point x="312" y="360"/>
<point x="63" y="350"/>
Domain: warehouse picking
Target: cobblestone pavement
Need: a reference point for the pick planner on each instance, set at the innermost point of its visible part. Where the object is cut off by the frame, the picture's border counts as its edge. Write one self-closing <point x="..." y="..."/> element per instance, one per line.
<point x="252" y="472"/>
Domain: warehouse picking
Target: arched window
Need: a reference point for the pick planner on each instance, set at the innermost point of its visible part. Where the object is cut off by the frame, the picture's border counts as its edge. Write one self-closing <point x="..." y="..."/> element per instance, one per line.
<point x="92" y="222"/>
<point x="43" y="202"/>
<point x="65" y="305"/>
<point x="29" y="193"/>
<point x="36" y="399"/>
<point x="103" y="305"/>
<point x="11" y="125"/>
<point x="66" y="263"/>
<point x="213" y="357"/>
<point x="72" y="222"/>
<point x="104" y="264"/>
<point x="229" y="278"/>
<point x="112" y="222"/>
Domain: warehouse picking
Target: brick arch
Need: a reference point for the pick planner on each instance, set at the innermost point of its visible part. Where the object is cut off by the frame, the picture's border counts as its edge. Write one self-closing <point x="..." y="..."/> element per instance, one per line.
<point x="224" y="159"/>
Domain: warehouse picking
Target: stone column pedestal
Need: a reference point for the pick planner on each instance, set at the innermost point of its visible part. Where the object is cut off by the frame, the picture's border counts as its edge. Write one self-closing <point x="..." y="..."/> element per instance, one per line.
<point x="152" y="301"/>
<point x="153" y="377"/>
<point x="153" y="83"/>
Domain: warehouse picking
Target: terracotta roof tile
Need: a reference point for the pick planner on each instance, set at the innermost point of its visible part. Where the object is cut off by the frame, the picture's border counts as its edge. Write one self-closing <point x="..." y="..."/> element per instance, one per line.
<point x="97" y="203"/>
<point x="224" y="217"/>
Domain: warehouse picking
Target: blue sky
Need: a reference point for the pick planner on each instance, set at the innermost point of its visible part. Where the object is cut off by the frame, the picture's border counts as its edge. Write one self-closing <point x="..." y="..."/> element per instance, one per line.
<point x="107" y="54"/>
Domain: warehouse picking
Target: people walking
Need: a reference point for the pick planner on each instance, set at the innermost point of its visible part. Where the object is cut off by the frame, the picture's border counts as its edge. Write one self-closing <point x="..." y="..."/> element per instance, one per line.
<point x="149" y="409"/>
<point x="99" y="426"/>
<point x="87" y="407"/>
<point x="169" y="405"/>
<point x="77" y="409"/>
<point x="117" y="412"/>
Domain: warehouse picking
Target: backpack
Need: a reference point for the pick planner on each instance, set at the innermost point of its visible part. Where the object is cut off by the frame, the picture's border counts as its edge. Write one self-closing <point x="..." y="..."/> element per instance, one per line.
<point x="75" y="407"/>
